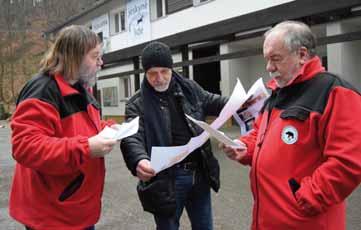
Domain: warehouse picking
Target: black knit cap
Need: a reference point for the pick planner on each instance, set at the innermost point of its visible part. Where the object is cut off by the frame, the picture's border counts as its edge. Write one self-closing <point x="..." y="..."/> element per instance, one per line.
<point x="156" y="54"/>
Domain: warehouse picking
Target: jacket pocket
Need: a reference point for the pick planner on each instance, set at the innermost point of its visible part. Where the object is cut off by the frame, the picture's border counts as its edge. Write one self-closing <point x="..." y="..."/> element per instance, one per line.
<point x="157" y="196"/>
<point x="296" y="112"/>
<point x="304" y="208"/>
<point x="72" y="188"/>
<point x="294" y="185"/>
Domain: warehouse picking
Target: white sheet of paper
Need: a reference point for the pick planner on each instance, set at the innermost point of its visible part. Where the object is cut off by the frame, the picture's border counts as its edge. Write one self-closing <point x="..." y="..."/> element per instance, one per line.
<point x="257" y="88"/>
<point x="220" y="136"/>
<point x="196" y="142"/>
<point x="256" y="97"/>
<point x="165" y="157"/>
<point x="238" y="97"/>
<point x="122" y="130"/>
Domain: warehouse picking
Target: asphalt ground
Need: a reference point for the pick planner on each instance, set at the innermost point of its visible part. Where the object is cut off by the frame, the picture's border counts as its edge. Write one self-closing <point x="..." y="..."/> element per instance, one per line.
<point x="232" y="206"/>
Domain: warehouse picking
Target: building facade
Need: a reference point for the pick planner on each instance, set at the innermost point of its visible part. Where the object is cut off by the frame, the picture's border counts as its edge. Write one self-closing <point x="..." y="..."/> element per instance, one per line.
<point x="213" y="42"/>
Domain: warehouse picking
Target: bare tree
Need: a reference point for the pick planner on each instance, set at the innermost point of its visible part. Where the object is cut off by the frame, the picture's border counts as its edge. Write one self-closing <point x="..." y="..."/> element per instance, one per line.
<point x="14" y="47"/>
<point x="22" y="23"/>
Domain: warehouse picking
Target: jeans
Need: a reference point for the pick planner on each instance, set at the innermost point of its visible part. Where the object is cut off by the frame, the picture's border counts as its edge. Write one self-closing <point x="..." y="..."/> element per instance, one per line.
<point x="192" y="192"/>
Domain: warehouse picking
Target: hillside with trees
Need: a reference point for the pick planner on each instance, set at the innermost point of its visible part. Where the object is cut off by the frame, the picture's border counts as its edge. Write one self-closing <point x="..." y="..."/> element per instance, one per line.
<point x="22" y="44"/>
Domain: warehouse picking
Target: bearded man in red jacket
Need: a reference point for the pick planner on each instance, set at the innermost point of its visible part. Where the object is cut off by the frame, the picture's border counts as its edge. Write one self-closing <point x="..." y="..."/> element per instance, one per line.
<point x="59" y="174"/>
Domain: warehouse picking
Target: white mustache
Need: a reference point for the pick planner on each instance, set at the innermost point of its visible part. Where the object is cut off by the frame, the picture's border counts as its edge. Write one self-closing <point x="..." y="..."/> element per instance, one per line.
<point x="274" y="74"/>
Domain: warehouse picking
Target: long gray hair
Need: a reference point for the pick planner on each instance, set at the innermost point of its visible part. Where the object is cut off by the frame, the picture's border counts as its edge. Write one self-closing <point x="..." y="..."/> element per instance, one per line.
<point x="66" y="54"/>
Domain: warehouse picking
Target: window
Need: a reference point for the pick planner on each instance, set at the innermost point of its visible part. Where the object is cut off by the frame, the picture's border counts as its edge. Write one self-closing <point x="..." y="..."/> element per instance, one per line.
<point x="122" y="20"/>
<point x="125" y="88"/>
<point x="157" y="9"/>
<point x="117" y="22"/>
<point x="177" y="5"/>
<point x="160" y="8"/>
<point x="110" y="97"/>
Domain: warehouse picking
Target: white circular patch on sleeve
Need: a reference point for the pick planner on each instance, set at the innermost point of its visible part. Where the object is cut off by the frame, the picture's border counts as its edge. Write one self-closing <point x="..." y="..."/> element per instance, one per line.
<point x="289" y="135"/>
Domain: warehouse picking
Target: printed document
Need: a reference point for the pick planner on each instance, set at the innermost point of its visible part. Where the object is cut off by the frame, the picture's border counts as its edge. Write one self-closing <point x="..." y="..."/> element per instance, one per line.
<point x="246" y="116"/>
<point x="121" y="131"/>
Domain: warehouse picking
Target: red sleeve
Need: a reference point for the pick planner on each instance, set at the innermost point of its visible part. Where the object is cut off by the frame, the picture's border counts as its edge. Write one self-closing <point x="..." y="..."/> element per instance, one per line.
<point x="250" y="140"/>
<point x="109" y="123"/>
<point x="37" y="144"/>
<point x="340" y="173"/>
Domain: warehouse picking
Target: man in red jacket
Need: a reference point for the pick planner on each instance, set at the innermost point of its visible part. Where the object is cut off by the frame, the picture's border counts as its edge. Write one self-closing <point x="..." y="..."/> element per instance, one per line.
<point x="305" y="148"/>
<point x="59" y="174"/>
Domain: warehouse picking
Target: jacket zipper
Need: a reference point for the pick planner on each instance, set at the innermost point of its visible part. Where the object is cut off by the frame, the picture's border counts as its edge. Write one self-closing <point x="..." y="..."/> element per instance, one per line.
<point x="259" y="145"/>
<point x="91" y="119"/>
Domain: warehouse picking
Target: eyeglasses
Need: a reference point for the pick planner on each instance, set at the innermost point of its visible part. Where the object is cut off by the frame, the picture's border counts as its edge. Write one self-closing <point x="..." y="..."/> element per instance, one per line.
<point x="97" y="58"/>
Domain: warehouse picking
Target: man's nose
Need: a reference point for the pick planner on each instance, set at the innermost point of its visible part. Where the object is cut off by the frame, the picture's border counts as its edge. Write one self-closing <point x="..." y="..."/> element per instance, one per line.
<point x="158" y="76"/>
<point x="270" y="67"/>
<point x="100" y="61"/>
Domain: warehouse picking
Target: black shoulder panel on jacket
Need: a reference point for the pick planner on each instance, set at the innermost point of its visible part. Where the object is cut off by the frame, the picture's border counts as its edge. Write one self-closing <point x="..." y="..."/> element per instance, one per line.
<point x="42" y="87"/>
<point x="45" y="88"/>
<point x="311" y="95"/>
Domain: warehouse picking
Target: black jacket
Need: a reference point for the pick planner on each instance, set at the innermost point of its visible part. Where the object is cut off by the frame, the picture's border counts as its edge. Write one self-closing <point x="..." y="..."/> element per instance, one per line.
<point x="198" y="105"/>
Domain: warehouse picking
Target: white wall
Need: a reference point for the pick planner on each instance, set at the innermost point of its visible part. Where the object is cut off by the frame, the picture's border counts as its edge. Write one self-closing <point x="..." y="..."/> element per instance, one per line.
<point x="344" y="58"/>
<point x="247" y="69"/>
<point x="257" y="69"/>
<point x="208" y="13"/>
<point x="197" y="16"/>
<point x="226" y="81"/>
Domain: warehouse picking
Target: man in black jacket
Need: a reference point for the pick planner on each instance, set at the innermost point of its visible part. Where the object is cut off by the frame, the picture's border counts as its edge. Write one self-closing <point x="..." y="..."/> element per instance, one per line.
<point x="162" y="102"/>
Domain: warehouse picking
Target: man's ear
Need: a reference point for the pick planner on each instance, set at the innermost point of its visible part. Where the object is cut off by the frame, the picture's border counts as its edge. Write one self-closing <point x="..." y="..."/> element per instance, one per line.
<point x="304" y="55"/>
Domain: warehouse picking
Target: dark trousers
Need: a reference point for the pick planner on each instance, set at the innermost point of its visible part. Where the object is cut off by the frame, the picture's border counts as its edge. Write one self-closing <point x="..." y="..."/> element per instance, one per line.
<point x="192" y="193"/>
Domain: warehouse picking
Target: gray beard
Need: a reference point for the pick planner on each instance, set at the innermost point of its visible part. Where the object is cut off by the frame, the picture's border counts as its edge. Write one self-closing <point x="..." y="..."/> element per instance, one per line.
<point x="88" y="81"/>
<point x="162" y="88"/>
<point x="86" y="78"/>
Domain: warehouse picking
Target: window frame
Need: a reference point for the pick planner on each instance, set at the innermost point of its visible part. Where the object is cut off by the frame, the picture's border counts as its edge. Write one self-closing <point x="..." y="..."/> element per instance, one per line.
<point x="118" y="18"/>
<point x="113" y="97"/>
<point x="125" y="88"/>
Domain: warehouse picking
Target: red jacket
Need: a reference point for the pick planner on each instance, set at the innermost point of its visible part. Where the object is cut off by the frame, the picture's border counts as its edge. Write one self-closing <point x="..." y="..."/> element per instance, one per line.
<point x="305" y="153"/>
<point x="56" y="184"/>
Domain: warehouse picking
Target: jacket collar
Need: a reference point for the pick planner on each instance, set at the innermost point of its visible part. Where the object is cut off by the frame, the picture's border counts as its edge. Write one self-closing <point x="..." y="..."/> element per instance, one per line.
<point x="64" y="86"/>
<point x="308" y="71"/>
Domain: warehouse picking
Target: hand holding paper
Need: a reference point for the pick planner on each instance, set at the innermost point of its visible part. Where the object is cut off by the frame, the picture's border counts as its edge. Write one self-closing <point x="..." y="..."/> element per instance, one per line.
<point x="100" y="146"/>
<point x="235" y="154"/>
<point x="118" y="131"/>
<point x="144" y="171"/>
